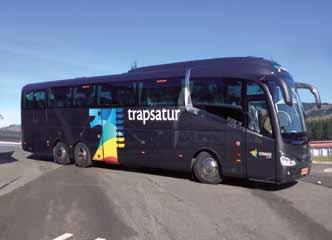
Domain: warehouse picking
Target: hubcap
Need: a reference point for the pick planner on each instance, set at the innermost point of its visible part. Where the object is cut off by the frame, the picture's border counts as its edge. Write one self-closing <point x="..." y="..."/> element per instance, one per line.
<point x="60" y="152"/>
<point x="209" y="167"/>
<point x="81" y="154"/>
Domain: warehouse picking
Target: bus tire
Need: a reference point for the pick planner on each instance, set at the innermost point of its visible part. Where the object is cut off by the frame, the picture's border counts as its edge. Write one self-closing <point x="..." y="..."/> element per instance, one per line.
<point x="82" y="155"/>
<point x="60" y="153"/>
<point x="206" y="168"/>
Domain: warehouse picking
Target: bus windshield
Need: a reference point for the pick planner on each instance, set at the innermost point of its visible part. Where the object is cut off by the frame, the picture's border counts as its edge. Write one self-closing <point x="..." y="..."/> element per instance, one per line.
<point x="291" y="118"/>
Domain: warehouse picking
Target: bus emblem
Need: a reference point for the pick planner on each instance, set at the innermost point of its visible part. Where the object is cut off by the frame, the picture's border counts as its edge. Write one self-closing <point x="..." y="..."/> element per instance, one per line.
<point x="254" y="153"/>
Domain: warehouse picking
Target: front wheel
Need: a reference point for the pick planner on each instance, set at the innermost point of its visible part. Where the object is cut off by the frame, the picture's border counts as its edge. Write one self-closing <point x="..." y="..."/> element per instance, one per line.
<point x="206" y="169"/>
<point x="82" y="155"/>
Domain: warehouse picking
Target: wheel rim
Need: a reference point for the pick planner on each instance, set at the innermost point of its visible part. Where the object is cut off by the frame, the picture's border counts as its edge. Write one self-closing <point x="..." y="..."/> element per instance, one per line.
<point x="81" y="153"/>
<point x="208" y="167"/>
<point x="60" y="152"/>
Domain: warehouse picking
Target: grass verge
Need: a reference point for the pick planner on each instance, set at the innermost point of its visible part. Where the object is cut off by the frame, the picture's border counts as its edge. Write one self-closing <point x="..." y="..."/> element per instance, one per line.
<point x="323" y="159"/>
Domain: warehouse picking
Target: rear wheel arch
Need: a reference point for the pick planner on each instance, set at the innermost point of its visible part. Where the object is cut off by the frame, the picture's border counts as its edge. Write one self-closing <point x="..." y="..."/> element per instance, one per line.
<point x="55" y="142"/>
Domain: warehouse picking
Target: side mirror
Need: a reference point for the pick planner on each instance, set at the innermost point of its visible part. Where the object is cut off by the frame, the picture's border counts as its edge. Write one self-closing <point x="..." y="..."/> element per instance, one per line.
<point x="285" y="92"/>
<point x="313" y="90"/>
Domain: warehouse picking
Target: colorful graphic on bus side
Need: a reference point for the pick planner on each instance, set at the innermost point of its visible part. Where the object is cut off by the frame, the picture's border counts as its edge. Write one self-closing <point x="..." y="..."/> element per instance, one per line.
<point x="112" y="122"/>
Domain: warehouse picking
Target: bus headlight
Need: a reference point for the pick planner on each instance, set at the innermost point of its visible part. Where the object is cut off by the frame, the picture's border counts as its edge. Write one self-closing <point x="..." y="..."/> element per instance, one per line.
<point x="287" y="162"/>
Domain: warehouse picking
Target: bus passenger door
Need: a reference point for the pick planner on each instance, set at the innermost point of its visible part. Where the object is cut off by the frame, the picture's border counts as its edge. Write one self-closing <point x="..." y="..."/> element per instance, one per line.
<point x="260" y="156"/>
<point x="259" y="136"/>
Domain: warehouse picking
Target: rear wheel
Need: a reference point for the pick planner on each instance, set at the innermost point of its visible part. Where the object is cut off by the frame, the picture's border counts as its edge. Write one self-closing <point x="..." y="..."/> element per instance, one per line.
<point x="82" y="155"/>
<point x="206" y="168"/>
<point x="60" y="153"/>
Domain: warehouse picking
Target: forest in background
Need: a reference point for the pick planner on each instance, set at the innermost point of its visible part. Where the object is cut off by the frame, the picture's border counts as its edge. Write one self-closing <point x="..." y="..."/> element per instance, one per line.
<point x="319" y="121"/>
<point x="319" y="130"/>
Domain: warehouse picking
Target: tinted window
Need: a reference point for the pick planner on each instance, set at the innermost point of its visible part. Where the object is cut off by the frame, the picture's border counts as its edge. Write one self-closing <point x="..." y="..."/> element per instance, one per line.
<point x="60" y="97"/>
<point x="28" y="100"/>
<point x="162" y="92"/>
<point x="216" y="92"/>
<point x="258" y="111"/>
<point x="117" y="94"/>
<point x="40" y="99"/>
<point x="218" y="96"/>
<point x="85" y="96"/>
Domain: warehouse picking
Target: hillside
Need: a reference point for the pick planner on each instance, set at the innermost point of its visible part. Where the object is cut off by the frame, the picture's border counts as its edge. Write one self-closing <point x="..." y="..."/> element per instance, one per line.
<point x="12" y="128"/>
<point x="10" y="133"/>
<point x="312" y="113"/>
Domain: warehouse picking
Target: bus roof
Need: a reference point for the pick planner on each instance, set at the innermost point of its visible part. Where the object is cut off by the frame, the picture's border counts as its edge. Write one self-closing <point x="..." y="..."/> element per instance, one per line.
<point x="238" y="67"/>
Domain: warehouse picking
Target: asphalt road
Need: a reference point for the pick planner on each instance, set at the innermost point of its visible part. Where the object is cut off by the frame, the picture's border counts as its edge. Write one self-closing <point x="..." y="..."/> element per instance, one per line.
<point x="321" y="174"/>
<point x="42" y="200"/>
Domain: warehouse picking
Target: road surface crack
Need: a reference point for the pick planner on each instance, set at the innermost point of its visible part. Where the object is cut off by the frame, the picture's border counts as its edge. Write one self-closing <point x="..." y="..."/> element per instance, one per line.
<point x="8" y="183"/>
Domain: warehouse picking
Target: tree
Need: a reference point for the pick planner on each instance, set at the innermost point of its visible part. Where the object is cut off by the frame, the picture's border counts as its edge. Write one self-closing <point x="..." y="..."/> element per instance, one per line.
<point x="320" y="129"/>
<point x="329" y="130"/>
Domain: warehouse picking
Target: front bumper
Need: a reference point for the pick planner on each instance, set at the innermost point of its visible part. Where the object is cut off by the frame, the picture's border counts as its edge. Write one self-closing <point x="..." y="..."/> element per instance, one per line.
<point x="291" y="174"/>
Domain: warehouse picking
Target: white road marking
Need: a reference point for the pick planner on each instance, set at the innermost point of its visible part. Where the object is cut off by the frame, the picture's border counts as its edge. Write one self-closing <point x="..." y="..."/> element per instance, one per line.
<point x="10" y="143"/>
<point x="328" y="170"/>
<point x="65" y="236"/>
<point x="68" y="236"/>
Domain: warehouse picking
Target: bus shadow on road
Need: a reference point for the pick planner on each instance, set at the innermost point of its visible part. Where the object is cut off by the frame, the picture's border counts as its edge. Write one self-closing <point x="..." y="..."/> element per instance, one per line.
<point x="7" y="157"/>
<point x="243" y="183"/>
<point x="40" y="157"/>
<point x="250" y="184"/>
<point x="146" y="170"/>
<point x="235" y="182"/>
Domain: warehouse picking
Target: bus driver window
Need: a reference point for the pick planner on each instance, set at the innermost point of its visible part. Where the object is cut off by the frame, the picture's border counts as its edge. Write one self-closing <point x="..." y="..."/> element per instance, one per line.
<point x="258" y="112"/>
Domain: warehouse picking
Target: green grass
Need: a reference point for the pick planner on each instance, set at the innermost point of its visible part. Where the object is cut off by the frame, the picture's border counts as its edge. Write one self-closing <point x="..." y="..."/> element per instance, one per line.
<point x="322" y="159"/>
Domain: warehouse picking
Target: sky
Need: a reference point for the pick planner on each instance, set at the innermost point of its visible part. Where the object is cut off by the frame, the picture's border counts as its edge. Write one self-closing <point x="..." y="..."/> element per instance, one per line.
<point x="50" y="40"/>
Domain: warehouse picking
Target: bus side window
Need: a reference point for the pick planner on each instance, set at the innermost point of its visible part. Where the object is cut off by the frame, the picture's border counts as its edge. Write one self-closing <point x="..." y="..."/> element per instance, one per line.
<point x="219" y="96"/>
<point x="258" y="111"/>
<point x="28" y="100"/>
<point x="40" y="99"/>
<point x="120" y="94"/>
<point x="105" y="96"/>
<point x="125" y="94"/>
<point x="160" y="92"/>
<point x="85" y="96"/>
<point x="60" y="97"/>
